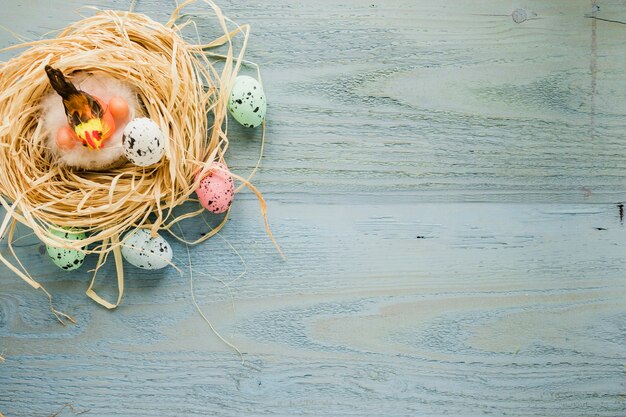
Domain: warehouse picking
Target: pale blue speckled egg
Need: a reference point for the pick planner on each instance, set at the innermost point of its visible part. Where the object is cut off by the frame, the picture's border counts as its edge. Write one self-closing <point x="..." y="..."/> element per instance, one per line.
<point x="146" y="252"/>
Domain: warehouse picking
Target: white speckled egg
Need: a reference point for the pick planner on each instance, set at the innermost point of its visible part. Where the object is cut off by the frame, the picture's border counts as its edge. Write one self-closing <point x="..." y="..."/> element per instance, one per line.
<point x="247" y="102"/>
<point x="146" y="252"/>
<point x="67" y="259"/>
<point x="217" y="189"/>
<point x="143" y="142"/>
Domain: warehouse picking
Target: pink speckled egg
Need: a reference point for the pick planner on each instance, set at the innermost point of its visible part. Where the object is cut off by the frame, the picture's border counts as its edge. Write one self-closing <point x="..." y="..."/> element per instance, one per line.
<point x="217" y="189"/>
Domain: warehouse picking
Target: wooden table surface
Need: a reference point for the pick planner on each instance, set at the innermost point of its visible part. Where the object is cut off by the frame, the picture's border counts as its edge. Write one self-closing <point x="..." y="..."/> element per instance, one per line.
<point x="445" y="181"/>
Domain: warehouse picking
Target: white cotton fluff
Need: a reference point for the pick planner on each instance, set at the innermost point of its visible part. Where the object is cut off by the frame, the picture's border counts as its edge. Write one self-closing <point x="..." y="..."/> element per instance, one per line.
<point x="53" y="118"/>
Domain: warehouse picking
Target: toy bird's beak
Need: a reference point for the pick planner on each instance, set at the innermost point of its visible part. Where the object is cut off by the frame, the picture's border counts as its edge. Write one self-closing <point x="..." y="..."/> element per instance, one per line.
<point x="93" y="139"/>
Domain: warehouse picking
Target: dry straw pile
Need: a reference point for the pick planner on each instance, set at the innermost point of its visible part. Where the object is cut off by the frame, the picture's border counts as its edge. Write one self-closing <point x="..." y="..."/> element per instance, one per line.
<point x="178" y="87"/>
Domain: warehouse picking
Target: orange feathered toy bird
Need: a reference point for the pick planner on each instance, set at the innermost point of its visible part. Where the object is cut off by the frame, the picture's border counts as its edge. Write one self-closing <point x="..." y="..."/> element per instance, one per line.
<point x="93" y="115"/>
<point x="84" y="113"/>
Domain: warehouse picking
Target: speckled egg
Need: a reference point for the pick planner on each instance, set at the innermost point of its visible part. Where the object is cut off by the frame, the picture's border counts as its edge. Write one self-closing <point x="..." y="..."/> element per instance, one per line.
<point x="247" y="102"/>
<point x="217" y="189"/>
<point x="143" y="142"/>
<point x="146" y="252"/>
<point x="67" y="259"/>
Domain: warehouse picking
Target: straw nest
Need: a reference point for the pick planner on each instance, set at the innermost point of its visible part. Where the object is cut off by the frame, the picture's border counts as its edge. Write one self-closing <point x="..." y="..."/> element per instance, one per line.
<point x="177" y="87"/>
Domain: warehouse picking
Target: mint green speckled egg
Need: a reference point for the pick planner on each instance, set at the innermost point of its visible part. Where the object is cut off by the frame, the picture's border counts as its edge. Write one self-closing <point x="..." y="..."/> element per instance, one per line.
<point x="67" y="259"/>
<point x="247" y="102"/>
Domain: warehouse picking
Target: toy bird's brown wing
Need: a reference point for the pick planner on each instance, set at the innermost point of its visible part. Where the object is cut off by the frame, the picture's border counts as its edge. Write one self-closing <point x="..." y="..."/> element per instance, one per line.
<point x="81" y="108"/>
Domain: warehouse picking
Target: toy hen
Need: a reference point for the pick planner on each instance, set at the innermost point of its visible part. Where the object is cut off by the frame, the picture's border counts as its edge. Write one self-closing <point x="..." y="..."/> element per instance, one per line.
<point x="86" y="123"/>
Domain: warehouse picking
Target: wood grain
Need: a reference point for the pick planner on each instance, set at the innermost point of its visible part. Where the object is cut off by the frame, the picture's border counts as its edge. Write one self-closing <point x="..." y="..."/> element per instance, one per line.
<point x="445" y="184"/>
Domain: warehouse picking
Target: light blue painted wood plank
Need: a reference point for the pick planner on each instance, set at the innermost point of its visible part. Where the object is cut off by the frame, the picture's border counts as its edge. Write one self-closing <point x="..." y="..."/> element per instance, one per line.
<point x="499" y="309"/>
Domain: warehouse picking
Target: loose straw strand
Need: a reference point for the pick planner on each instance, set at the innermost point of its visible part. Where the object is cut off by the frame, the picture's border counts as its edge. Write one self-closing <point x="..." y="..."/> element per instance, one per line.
<point x="195" y="303"/>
